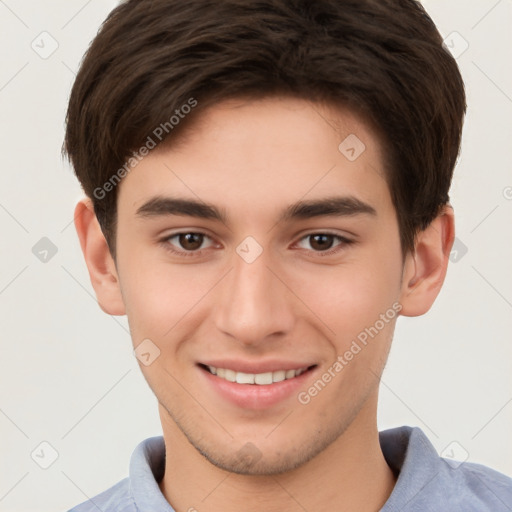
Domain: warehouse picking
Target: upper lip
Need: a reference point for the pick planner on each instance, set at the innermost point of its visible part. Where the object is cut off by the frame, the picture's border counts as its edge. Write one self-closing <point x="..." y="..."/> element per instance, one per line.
<point x="256" y="366"/>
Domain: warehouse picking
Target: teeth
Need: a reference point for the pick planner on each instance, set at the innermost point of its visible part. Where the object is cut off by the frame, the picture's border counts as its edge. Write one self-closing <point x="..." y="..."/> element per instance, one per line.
<point x="230" y="375"/>
<point x="261" y="379"/>
<point x="278" y="376"/>
<point x="245" y="378"/>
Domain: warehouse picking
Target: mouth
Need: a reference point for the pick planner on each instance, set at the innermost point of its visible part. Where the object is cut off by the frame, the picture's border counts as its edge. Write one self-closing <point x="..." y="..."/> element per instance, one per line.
<point x="258" y="379"/>
<point x="259" y="386"/>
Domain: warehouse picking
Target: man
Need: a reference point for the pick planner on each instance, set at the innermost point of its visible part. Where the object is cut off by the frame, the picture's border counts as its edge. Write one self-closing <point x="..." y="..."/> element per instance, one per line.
<point x="267" y="191"/>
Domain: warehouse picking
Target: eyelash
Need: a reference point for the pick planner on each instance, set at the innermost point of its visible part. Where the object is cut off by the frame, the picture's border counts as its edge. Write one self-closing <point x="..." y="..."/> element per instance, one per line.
<point x="166" y="243"/>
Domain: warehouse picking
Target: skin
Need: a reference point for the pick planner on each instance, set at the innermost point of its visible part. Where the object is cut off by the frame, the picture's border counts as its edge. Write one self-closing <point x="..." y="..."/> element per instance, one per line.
<point x="252" y="159"/>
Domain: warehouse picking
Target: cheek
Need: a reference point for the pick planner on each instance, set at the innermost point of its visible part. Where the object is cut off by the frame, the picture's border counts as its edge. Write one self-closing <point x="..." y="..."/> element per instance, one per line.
<point x="349" y="298"/>
<point x="168" y="303"/>
<point x="159" y="296"/>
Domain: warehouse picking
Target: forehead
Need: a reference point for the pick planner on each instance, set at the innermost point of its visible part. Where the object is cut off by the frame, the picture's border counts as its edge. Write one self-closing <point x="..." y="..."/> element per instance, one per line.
<point x="266" y="152"/>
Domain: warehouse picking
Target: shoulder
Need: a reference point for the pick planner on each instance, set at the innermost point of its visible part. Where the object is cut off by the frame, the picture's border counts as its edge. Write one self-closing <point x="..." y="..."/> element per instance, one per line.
<point x="140" y="490"/>
<point x="427" y="481"/>
<point x="468" y="487"/>
<point x="479" y="485"/>
<point x="116" y="499"/>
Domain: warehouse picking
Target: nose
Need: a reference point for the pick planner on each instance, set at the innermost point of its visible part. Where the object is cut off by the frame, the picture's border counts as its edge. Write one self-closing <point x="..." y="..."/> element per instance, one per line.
<point x="254" y="303"/>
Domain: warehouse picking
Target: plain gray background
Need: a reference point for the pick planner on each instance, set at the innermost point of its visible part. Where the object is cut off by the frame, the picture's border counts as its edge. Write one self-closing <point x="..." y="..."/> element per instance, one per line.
<point x="69" y="377"/>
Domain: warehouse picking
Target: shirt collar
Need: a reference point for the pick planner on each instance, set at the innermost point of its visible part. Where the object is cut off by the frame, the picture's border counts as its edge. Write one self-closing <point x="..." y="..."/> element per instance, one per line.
<point x="147" y="466"/>
<point x="413" y="458"/>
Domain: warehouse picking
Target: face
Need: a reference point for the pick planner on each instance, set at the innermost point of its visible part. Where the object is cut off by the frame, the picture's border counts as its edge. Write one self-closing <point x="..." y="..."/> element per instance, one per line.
<point x="264" y="247"/>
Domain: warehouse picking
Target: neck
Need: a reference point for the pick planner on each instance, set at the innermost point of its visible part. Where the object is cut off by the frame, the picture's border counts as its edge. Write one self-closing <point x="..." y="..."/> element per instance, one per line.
<point x="351" y="474"/>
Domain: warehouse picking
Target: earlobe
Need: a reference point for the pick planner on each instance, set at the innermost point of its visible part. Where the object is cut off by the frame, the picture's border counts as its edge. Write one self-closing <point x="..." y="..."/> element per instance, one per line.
<point x="100" y="264"/>
<point x="425" y="268"/>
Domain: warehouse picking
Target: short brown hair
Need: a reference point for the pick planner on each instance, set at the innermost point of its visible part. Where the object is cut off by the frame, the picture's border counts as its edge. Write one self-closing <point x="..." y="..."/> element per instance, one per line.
<point x="384" y="59"/>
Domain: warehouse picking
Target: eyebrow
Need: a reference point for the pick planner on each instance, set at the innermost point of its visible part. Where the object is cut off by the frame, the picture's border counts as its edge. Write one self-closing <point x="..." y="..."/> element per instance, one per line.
<point x="330" y="206"/>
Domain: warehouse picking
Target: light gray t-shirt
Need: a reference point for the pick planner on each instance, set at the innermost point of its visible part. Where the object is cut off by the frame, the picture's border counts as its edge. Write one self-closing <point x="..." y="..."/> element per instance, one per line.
<point x="426" y="482"/>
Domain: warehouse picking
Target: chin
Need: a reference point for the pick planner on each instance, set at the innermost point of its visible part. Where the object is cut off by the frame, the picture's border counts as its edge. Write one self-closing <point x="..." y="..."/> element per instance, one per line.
<point x="263" y="466"/>
<point x="250" y="460"/>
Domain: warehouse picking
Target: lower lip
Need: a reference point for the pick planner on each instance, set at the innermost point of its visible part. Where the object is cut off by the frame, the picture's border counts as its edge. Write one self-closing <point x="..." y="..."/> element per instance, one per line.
<point x="255" y="396"/>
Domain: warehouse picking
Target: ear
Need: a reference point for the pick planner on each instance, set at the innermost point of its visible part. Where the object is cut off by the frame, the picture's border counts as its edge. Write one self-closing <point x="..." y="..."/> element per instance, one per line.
<point x="101" y="266"/>
<point x="425" y="267"/>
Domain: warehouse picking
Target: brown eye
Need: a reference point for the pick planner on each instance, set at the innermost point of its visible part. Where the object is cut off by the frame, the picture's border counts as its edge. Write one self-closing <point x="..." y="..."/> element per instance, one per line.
<point x="187" y="243"/>
<point x="324" y="244"/>
<point x="191" y="241"/>
<point x="321" y="242"/>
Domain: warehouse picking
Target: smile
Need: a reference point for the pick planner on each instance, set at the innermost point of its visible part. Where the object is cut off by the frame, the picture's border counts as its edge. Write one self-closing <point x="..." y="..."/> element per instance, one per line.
<point x="255" y="385"/>
<point x="261" y="379"/>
